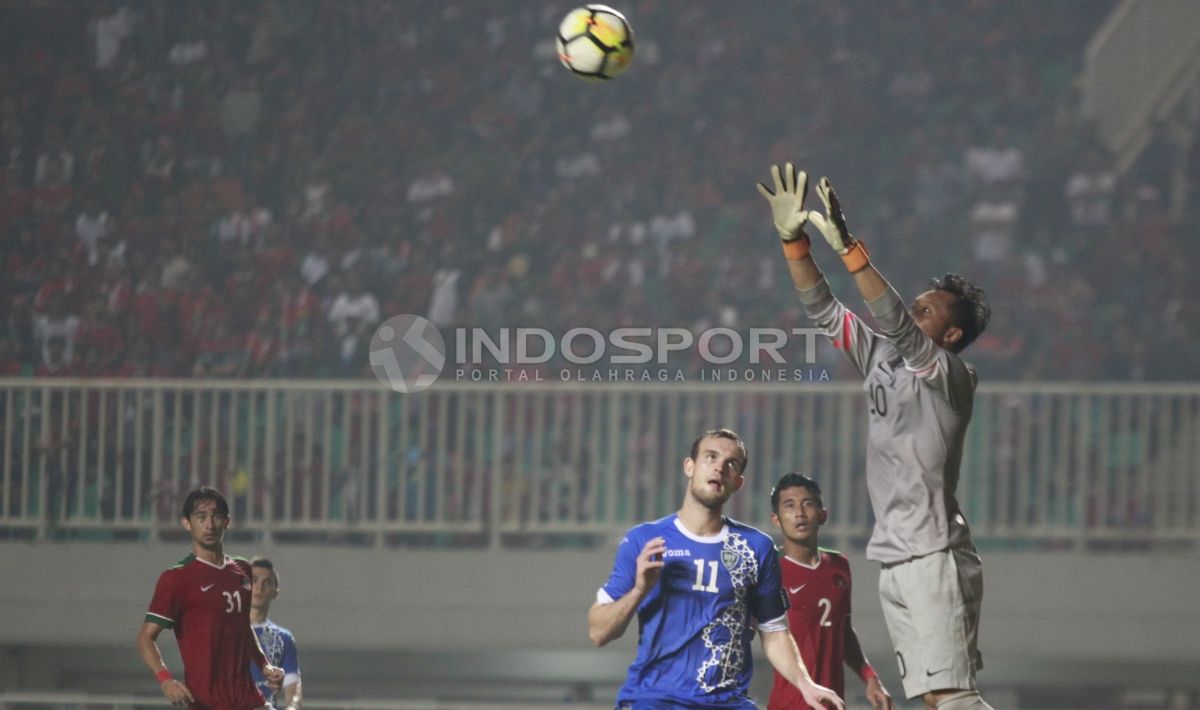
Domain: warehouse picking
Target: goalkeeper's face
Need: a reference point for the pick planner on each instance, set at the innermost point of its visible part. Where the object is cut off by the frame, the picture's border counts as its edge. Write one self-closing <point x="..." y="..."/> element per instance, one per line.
<point x="933" y="312"/>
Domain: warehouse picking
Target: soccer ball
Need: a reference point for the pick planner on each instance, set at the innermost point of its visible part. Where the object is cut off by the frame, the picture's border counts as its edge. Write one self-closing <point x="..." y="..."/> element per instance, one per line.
<point x="595" y="42"/>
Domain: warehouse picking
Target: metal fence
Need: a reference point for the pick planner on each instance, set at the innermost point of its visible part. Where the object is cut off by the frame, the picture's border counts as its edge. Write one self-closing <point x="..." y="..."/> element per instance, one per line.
<point x="112" y="459"/>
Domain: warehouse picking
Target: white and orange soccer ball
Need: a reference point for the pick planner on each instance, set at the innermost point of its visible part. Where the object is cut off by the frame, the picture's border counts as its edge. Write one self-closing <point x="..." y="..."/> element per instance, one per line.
<point x="595" y="42"/>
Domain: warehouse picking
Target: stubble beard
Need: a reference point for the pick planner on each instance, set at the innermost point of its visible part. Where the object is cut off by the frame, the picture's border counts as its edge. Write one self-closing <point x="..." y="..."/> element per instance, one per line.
<point x="712" y="501"/>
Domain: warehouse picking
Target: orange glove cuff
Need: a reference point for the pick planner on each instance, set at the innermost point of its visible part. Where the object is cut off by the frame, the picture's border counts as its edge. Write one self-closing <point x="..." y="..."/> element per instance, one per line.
<point x="796" y="249"/>
<point x="857" y="258"/>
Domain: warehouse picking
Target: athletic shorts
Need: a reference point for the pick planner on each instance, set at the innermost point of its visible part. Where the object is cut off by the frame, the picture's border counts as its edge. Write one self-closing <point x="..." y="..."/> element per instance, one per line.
<point x="931" y="606"/>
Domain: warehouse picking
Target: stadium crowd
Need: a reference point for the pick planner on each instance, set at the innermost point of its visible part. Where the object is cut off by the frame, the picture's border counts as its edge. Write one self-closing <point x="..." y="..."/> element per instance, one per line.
<point x="230" y="189"/>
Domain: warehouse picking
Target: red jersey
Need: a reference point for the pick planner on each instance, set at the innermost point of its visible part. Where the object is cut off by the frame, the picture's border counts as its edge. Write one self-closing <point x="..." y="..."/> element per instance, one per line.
<point x="208" y="606"/>
<point x="818" y="619"/>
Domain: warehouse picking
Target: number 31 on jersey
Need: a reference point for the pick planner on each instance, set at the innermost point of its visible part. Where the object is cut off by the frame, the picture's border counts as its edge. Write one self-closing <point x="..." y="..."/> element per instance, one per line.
<point x="233" y="602"/>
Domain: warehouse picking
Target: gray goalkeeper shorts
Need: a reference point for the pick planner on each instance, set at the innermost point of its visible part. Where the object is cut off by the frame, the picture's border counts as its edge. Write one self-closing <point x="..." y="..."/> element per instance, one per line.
<point x="931" y="606"/>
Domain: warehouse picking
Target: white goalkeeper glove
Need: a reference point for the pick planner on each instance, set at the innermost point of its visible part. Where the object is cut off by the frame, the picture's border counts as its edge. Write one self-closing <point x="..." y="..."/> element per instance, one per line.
<point x="787" y="201"/>
<point x="832" y="226"/>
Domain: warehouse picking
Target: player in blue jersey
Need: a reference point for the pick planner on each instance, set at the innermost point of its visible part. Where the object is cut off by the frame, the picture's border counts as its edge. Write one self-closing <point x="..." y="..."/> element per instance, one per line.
<point x="277" y="642"/>
<point x="699" y="583"/>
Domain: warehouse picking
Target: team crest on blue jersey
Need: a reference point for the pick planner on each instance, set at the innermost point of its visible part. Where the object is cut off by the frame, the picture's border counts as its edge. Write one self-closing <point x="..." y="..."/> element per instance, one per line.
<point x="730" y="559"/>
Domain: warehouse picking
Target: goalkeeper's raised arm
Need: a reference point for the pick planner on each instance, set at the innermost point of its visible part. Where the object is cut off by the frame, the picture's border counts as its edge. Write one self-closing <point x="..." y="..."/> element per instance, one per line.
<point x="942" y="320"/>
<point x="787" y="208"/>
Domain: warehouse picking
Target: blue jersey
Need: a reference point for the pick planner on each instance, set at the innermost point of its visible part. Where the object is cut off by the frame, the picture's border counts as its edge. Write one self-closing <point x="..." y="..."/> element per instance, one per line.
<point x="280" y="647"/>
<point x="695" y="627"/>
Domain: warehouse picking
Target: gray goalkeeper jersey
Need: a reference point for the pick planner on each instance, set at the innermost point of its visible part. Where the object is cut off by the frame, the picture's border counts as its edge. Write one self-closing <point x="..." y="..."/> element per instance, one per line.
<point x="919" y="397"/>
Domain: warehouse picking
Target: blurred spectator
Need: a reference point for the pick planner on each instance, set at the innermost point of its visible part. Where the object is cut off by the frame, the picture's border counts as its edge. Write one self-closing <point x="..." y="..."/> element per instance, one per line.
<point x="58" y="326"/>
<point x="98" y="331"/>
<point x="241" y="109"/>
<point x="1090" y="191"/>
<point x="10" y="358"/>
<point x="57" y="360"/>
<point x="245" y="225"/>
<point x="190" y="49"/>
<point x="435" y="184"/>
<point x="443" y="303"/>
<point x="219" y="353"/>
<point x="107" y="32"/>
<point x="353" y="315"/>
<point x="262" y="346"/>
<point x="55" y="161"/>
<point x="993" y="222"/>
<point x="91" y="226"/>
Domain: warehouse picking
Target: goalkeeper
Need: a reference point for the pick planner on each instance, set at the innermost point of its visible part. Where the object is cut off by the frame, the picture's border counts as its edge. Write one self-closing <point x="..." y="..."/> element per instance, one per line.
<point x="919" y="394"/>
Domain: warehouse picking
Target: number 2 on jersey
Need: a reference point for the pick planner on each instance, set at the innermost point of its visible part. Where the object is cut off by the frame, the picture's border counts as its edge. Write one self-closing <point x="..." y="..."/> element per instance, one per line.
<point x="233" y="599"/>
<point x="699" y="586"/>
<point x="826" y="607"/>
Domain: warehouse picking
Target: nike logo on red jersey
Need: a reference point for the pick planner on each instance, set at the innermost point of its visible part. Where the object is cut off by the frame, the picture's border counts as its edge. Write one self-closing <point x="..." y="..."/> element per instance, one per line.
<point x="797" y="589"/>
<point x="205" y="589"/>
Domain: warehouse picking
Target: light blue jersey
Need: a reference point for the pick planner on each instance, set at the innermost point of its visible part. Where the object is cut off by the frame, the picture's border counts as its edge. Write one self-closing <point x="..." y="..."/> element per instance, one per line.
<point x="695" y="628"/>
<point x="280" y="647"/>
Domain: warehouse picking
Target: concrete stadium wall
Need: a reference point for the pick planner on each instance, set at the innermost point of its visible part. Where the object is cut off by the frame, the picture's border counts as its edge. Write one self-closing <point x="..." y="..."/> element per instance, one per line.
<point x="416" y="620"/>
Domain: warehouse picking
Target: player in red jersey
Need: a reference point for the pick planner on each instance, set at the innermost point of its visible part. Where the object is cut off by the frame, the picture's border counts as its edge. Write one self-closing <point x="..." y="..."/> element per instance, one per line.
<point x="205" y="599"/>
<point x="817" y="582"/>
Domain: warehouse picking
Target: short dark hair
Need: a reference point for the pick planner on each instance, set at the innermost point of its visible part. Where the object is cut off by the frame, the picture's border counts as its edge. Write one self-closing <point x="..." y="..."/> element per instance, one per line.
<point x="264" y="563"/>
<point x="722" y="433"/>
<point x="795" y="480"/>
<point x="971" y="310"/>
<point x="205" y="493"/>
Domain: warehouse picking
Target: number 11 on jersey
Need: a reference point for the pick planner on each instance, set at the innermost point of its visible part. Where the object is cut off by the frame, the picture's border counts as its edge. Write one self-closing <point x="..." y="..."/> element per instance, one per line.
<point x="699" y="586"/>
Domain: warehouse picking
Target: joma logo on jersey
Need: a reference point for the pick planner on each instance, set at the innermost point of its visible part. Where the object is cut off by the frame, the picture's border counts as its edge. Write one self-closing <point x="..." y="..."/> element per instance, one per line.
<point x="677" y="553"/>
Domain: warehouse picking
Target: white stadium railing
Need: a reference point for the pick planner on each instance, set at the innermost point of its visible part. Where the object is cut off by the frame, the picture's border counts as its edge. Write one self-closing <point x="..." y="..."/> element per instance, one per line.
<point x="112" y="459"/>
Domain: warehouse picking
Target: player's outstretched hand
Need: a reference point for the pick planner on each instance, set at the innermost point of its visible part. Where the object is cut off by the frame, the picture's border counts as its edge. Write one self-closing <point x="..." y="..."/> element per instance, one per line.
<point x="787" y="201"/>
<point x="274" y="676"/>
<point x="177" y="692"/>
<point x="650" y="564"/>
<point x="832" y="224"/>
<point x="878" y="695"/>
<point x="820" y="697"/>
